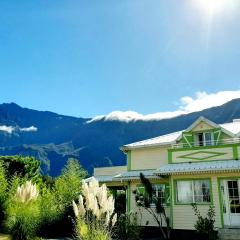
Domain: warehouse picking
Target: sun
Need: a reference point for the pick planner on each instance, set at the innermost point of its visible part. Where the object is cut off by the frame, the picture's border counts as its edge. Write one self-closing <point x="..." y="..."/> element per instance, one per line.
<point x="213" y="7"/>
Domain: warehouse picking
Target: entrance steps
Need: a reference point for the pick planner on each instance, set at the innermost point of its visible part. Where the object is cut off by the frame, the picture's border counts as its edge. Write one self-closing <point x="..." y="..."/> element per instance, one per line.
<point x="229" y="234"/>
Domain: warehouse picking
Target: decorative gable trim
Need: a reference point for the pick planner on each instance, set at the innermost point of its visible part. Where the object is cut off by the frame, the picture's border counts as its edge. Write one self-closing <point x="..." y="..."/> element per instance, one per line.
<point x="214" y="125"/>
<point x="201" y="119"/>
<point x="201" y="155"/>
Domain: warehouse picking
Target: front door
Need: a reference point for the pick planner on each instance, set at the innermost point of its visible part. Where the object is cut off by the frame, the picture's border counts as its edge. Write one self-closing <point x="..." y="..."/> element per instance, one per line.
<point x="230" y="190"/>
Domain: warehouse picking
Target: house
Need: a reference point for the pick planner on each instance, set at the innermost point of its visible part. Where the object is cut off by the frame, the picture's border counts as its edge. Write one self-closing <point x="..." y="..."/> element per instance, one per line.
<point x="200" y="164"/>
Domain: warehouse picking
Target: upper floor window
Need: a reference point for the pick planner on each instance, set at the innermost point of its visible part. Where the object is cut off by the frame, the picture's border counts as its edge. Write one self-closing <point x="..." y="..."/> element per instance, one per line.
<point x="204" y="139"/>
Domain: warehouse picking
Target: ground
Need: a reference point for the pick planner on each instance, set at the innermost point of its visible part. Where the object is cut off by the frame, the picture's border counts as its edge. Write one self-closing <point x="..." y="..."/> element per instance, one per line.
<point x="4" y="237"/>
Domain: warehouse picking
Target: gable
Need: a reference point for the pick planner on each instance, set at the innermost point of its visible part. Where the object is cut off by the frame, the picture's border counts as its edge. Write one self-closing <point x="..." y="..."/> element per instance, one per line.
<point x="202" y="126"/>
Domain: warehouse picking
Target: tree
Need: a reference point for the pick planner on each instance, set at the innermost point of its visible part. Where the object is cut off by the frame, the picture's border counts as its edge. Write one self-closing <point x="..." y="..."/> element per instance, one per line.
<point x="23" y="167"/>
<point x="157" y="211"/>
<point x="68" y="184"/>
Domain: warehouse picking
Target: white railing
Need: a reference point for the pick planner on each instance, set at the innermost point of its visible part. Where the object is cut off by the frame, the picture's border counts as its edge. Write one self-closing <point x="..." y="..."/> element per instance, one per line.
<point x="206" y="143"/>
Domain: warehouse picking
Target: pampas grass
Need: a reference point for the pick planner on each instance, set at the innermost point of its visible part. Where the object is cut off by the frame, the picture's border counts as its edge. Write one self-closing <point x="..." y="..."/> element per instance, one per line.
<point x="94" y="212"/>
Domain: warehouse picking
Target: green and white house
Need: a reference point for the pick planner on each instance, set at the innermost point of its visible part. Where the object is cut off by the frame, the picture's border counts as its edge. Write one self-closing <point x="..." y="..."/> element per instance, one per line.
<point x="200" y="164"/>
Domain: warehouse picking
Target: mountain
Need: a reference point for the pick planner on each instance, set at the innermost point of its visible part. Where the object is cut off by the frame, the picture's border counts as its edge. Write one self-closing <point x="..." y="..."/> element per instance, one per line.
<point x="53" y="138"/>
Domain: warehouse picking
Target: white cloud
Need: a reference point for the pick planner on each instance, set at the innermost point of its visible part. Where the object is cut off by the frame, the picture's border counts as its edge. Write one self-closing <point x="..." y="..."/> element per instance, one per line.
<point x="200" y="101"/>
<point x="29" y="129"/>
<point x="11" y="129"/>
<point x="203" y="100"/>
<point x="8" y="129"/>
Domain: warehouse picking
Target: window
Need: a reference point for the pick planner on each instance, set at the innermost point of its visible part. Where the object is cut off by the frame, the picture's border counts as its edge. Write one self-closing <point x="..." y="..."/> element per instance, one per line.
<point x="194" y="191"/>
<point x="160" y="192"/>
<point x="204" y="139"/>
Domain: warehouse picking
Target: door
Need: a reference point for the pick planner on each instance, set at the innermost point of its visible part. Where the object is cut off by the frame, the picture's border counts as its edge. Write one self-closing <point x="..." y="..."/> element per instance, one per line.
<point x="230" y="190"/>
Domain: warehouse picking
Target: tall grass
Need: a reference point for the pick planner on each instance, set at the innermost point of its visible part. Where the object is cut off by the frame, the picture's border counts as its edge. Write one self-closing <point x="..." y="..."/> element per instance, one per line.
<point x="94" y="212"/>
<point x="22" y="212"/>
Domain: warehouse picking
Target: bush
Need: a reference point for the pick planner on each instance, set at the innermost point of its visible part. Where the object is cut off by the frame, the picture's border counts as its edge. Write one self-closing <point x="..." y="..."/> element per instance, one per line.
<point x="49" y="212"/>
<point x="205" y="225"/>
<point x="127" y="227"/>
<point x="3" y="192"/>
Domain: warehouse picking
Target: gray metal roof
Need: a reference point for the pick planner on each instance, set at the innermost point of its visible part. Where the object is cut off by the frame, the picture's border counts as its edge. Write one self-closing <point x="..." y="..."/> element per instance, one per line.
<point x="126" y="176"/>
<point x="134" y="175"/>
<point x="199" y="167"/>
<point x="111" y="178"/>
<point x="232" y="129"/>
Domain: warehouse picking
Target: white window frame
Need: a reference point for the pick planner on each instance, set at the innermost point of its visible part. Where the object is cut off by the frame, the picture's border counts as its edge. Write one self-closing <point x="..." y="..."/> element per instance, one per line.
<point x="197" y="143"/>
<point x="159" y="192"/>
<point x="193" y="195"/>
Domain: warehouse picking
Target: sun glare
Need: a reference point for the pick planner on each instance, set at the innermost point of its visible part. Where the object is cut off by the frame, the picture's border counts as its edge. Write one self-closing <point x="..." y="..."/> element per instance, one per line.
<point x="213" y="7"/>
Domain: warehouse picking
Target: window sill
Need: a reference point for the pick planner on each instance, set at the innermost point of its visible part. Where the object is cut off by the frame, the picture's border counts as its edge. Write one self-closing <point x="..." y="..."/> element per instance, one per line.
<point x="190" y="204"/>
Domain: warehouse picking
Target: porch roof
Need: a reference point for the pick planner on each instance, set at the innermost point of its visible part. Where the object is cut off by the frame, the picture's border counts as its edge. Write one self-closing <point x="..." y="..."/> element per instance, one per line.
<point x="101" y="179"/>
<point x="125" y="176"/>
<point x="135" y="175"/>
<point x="199" y="167"/>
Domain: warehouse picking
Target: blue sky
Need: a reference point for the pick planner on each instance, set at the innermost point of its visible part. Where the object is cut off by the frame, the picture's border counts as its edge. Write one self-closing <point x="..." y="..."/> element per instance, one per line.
<point x="88" y="58"/>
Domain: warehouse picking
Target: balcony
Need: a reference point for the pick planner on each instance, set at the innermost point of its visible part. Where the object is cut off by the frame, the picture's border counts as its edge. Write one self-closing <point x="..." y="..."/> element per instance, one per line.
<point x="206" y="143"/>
<point x="225" y="149"/>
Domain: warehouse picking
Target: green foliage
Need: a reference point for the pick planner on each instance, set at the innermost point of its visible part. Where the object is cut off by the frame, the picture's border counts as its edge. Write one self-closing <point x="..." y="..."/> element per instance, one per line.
<point x="86" y="231"/>
<point x="48" y="205"/>
<point x="127" y="227"/>
<point x="205" y="225"/>
<point x="22" y="218"/>
<point x="3" y="191"/>
<point x="68" y="185"/>
<point x="46" y="215"/>
<point x="24" y="167"/>
<point x="120" y="202"/>
<point x="146" y="201"/>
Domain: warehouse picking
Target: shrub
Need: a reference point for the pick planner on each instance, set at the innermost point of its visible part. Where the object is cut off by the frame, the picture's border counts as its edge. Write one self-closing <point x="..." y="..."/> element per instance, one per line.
<point x="205" y="225"/>
<point x="145" y="201"/>
<point x="3" y="192"/>
<point x="127" y="227"/>
<point x="49" y="212"/>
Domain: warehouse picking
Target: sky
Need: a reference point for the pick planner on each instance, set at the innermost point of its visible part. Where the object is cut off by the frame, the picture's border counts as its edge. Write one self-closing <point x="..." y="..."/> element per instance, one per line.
<point x="130" y="58"/>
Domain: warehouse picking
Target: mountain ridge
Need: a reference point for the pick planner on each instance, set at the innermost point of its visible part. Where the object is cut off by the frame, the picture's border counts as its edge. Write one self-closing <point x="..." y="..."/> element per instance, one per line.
<point x="57" y="137"/>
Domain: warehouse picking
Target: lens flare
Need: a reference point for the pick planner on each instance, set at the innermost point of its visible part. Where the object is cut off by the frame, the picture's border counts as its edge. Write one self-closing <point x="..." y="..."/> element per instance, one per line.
<point x="214" y="7"/>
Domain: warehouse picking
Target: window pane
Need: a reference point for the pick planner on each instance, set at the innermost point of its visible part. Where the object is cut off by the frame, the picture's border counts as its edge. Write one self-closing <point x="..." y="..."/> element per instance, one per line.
<point x="201" y="191"/>
<point x="184" y="191"/>
<point x="208" y="139"/>
<point x="234" y="197"/>
<point x="199" y="138"/>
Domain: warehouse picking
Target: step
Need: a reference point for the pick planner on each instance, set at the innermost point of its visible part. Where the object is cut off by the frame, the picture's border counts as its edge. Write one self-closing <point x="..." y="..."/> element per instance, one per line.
<point x="229" y="234"/>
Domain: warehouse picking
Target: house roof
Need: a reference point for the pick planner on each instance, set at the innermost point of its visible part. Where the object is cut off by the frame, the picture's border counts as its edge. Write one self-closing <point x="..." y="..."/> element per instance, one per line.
<point x="232" y="129"/>
<point x="199" y="167"/>
<point x="157" y="141"/>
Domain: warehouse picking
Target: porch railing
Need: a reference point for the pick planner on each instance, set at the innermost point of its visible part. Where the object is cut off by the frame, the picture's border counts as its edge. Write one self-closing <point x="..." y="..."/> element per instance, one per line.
<point x="206" y="143"/>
